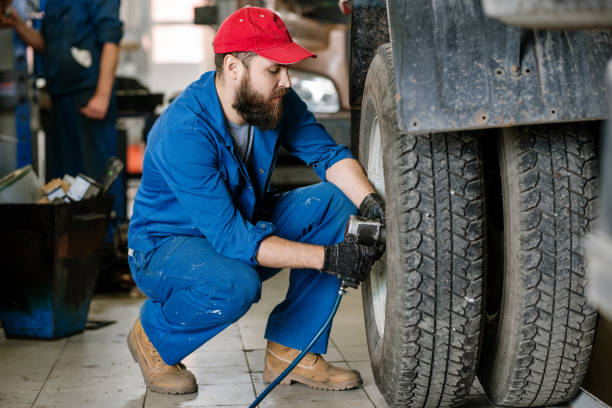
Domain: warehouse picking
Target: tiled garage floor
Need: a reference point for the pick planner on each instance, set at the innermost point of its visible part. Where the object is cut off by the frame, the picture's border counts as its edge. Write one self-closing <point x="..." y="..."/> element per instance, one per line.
<point x="95" y="369"/>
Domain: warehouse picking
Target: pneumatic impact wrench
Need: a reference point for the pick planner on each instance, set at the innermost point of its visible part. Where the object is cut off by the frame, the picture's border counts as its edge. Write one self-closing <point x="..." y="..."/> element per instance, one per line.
<point x="365" y="232"/>
<point x="358" y="230"/>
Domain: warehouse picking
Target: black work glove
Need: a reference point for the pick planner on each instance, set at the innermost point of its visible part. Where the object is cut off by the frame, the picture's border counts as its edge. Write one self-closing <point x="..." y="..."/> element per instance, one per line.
<point x="373" y="207"/>
<point x="350" y="262"/>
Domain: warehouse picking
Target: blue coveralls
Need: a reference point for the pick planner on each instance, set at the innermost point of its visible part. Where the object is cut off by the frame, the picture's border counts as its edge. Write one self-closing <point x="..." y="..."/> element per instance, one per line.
<point x="79" y="144"/>
<point x="200" y="216"/>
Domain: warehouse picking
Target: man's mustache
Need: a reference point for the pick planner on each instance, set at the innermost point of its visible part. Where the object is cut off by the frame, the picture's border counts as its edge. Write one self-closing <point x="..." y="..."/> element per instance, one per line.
<point x="280" y="93"/>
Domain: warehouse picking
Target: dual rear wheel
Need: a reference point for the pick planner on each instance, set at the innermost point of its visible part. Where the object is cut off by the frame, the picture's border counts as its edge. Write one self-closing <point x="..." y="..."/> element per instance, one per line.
<point x="484" y="268"/>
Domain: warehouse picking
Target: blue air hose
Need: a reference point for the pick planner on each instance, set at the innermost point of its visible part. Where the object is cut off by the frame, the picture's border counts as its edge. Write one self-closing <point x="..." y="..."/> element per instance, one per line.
<point x="299" y="358"/>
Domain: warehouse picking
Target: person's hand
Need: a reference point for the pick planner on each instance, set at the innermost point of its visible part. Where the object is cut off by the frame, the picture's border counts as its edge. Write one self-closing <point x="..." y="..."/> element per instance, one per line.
<point x="4" y="5"/>
<point x="350" y="262"/>
<point x="373" y="207"/>
<point x="8" y="15"/>
<point x="96" y="107"/>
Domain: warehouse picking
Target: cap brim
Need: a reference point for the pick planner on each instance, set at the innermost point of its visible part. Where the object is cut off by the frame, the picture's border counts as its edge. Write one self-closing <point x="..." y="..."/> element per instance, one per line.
<point x="288" y="53"/>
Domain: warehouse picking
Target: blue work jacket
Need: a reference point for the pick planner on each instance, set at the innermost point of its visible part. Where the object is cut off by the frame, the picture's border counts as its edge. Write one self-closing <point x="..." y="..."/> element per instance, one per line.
<point x="194" y="183"/>
<point x="77" y="27"/>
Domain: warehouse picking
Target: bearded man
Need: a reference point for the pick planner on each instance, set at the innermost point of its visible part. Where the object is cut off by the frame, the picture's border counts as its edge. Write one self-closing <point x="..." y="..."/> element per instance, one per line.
<point x="206" y="231"/>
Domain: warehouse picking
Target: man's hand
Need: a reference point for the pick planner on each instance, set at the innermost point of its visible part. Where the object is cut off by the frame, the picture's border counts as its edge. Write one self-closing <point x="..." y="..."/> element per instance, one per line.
<point x="349" y="262"/>
<point x="9" y="18"/>
<point x="96" y="107"/>
<point x="4" y="5"/>
<point x="8" y="15"/>
<point x="373" y="207"/>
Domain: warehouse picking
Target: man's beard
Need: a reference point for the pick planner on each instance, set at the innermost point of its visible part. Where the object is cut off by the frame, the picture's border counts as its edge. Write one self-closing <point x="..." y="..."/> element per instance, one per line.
<point x="257" y="110"/>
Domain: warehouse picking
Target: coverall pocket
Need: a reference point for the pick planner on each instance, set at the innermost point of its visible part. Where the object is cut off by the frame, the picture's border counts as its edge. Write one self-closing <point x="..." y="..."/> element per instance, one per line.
<point x="59" y="28"/>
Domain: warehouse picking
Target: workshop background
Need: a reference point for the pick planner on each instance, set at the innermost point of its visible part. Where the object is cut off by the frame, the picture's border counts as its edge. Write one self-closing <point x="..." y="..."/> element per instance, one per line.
<point x="75" y="353"/>
<point x="165" y="46"/>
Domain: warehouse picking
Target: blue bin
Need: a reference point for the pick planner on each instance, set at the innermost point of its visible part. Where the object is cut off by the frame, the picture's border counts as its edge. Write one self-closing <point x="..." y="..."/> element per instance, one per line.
<point x="50" y="260"/>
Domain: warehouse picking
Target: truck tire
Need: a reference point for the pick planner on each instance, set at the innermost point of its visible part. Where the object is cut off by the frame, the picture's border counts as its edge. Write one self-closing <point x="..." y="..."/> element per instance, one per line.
<point x="536" y="350"/>
<point x="423" y="300"/>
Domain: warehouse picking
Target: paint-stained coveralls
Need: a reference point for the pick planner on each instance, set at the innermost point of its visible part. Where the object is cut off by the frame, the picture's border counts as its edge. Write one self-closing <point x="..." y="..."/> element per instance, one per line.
<point x="200" y="215"/>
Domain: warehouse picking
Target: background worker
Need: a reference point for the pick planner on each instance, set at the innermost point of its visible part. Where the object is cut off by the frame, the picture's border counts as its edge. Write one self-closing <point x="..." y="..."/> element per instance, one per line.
<point x="204" y="232"/>
<point x="78" y="42"/>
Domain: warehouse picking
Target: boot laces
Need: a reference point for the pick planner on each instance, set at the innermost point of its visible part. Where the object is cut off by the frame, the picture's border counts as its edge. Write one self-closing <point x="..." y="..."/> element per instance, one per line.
<point x="312" y="356"/>
<point x="160" y="361"/>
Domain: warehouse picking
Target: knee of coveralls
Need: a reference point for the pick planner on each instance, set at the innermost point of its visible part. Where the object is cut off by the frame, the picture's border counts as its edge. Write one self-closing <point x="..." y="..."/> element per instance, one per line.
<point x="201" y="306"/>
<point x="315" y="214"/>
<point x="194" y="293"/>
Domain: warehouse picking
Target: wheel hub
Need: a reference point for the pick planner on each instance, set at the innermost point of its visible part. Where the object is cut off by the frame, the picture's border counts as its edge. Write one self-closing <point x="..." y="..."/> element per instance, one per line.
<point x="378" y="274"/>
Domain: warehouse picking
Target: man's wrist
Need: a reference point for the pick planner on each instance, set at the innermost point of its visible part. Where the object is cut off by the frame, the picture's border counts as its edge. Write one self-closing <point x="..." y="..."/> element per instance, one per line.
<point x="321" y="257"/>
<point x="330" y="258"/>
<point x="102" y="94"/>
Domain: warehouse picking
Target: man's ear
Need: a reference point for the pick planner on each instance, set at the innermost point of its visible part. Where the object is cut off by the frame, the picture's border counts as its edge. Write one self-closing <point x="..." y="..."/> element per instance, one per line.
<point x="232" y="66"/>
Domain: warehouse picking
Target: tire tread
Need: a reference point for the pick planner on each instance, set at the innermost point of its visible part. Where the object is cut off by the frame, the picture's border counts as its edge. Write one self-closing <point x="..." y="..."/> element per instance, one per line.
<point x="557" y="194"/>
<point x="435" y="197"/>
<point x="439" y="365"/>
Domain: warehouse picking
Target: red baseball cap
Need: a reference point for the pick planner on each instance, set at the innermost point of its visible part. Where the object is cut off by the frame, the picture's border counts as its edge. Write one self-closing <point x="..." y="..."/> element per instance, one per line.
<point x="261" y="31"/>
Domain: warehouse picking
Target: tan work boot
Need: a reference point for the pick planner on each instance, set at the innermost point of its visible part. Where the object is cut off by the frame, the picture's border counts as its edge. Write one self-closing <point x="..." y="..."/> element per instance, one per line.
<point x="313" y="370"/>
<point x="158" y="376"/>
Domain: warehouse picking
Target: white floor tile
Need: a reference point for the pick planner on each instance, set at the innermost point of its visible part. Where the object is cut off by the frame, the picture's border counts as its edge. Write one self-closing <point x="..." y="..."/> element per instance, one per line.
<point x="369" y="385"/>
<point x="205" y="358"/>
<point x="361" y="403"/>
<point x="355" y="353"/>
<point x="288" y="395"/>
<point x="207" y="396"/>
<point x="94" y="373"/>
<point x="114" y="333"/>
<point x="115" y="348"/>
<point x="256" y="360"/>
<point x="30" y="349"/>
<point x="98" y="398"/>
<point x="333" y="355"/>
<point x="257" y="377"/>
<point x="344" y="335"/>
<point x="221" y="375"/>
<point x="223" y="342"/>
<point x="23" y="374"/>
<point x="252" y="332"/>
<point x="14" y="399"/>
